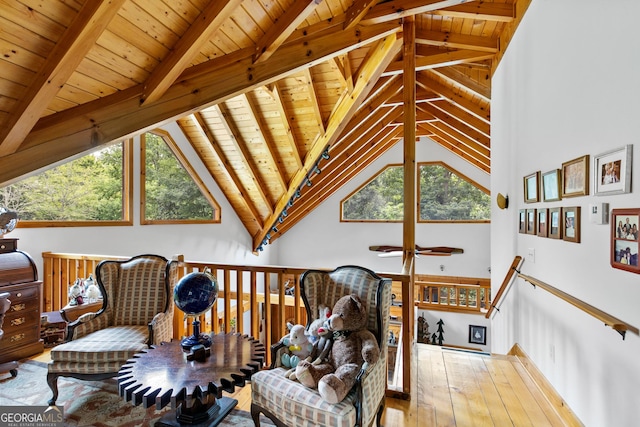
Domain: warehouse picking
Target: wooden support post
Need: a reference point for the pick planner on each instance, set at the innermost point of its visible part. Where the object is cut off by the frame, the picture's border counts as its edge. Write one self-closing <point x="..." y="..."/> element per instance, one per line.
<point x="409" y="240"/>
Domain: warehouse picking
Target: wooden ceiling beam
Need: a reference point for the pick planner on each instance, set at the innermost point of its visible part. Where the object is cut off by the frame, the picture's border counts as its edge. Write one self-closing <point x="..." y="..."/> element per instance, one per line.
<point x="455" y="112"/>
<point x="63" y="135"/>
<point x="452" y="143"/>
<point x="480" y="10"/>
<point x="422" y="95"/>
<point x="463" y="128"/>
<point x="283" y="28"/>
<point x="454" y="134"/>
<point x="251" y="172"/>
<point x="457" y="41"/>
<point x="397" y="9"/>
<point x="378" y="58"/>
<point x="188" y="47"/>
<point x="461" y="79"/>
<point x="314" y="101"/>
<point x="357" y="11"/>
<point x="459" y="98"/>
<point x="60" y="64"/>
<point x="455" y="149"/>
<point x="443" y="59"/>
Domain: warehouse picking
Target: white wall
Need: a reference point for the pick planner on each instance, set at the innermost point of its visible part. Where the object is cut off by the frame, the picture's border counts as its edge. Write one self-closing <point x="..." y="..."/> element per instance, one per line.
<point x="321" y="240"/>
<point x="225" y="242"/>
<point x="566" y="88"/>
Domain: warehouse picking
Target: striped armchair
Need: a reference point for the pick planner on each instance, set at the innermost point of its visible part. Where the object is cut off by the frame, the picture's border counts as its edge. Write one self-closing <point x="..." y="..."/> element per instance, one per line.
<point x="289" y="403"/>
<point x="137" y="312"/>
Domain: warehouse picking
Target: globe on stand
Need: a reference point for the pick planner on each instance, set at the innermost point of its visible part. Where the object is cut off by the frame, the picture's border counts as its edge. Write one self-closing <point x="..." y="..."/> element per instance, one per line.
<point x="194" y="294"/>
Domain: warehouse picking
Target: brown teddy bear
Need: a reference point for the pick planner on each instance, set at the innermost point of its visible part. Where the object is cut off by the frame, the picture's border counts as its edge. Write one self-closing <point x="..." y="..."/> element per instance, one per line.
<point x="353" y="347"/>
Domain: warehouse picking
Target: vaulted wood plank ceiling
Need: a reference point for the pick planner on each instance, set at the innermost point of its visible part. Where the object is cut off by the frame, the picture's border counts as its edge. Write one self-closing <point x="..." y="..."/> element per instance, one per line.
<point x="284" y="101"/>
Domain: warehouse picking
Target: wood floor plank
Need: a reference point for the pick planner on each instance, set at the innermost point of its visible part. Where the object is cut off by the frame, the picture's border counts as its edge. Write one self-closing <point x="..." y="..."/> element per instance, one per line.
<point x="517" y="413"/>
<point x="468" y="402"/>
<point x="499" y="414"/>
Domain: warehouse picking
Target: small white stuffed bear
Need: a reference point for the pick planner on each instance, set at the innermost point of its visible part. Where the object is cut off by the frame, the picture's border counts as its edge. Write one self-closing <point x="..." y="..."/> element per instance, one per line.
<point x="297" y="341"/>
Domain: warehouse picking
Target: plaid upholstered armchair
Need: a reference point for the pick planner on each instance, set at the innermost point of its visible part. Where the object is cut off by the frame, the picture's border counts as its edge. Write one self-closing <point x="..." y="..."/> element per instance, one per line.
<point x="137" y="312"/>
<point x="289" y="403"/>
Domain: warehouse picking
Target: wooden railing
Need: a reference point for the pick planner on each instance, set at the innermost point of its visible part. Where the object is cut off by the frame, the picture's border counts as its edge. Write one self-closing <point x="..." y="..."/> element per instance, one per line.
<point x="256" y="300"/>
<point x="504" y="286"/>
<point x="618" y="325"/>
<point x="459" y="294"/>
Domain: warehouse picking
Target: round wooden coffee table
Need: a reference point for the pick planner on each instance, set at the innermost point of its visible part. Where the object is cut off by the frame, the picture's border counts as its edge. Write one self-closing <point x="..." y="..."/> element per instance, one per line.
<point x="163" y="375"/>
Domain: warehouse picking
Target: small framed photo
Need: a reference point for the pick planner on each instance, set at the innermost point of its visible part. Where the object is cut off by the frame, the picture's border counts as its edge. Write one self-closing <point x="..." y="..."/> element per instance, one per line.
<point x="551" y="190"/>
<point x="531" y="221"/>
<point x="612" y="171"/>
<point x="571" y="224"/>
<point x="624" y="239"/>
<point x="554" y="223"/>
<point x="478" y="334"/>
<point x="543" y="230"/>
<point x="575" y="177"/>
<point x="531" y="193"/>
<point x="523" y="221"/>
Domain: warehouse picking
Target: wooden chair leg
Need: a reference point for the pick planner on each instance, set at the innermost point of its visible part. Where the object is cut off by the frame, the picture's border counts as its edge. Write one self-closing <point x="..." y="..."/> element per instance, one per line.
<point x="52" y="380"/>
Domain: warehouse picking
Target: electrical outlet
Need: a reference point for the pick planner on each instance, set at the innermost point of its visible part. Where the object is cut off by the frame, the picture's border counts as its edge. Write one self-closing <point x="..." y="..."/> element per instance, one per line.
<point x="532" y="255"/>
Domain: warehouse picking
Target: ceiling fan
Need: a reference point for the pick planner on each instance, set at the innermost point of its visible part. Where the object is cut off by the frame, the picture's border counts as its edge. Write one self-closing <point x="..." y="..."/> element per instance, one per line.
<point x="395" y="251"/>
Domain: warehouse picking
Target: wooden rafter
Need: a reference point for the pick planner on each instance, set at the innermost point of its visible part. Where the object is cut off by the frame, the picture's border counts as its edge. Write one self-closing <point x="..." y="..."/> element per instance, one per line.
<point x="181" y="56"/>
<point x="397" y="9"/>
<point x="441" y="60"/>
<point x="465" y="81"/>
<point x="461" y="127"/>
<point x="314" y="101"/>
<point x="378" y="58"/>
<point x="61" y="63"/>
<point x="283" y="28"/>
<point x="460" y="98"/>
<point x="357" y="11"/>
<point x="457" y="113"/>
<point x="457" y="41"/>
<point x="498" y="12"/>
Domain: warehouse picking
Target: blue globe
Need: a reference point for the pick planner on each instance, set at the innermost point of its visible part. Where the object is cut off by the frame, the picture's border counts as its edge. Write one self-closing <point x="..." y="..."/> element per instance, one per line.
<point x="196" y="292"/>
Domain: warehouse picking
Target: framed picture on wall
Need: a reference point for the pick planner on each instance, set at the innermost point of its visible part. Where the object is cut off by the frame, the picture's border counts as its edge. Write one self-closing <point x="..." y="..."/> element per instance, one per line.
<point x="554" y="223"/>
<point x="531" y="221"/>
<point x="624" y="239"/>
<point x="571" y="224"/>
<point x="478" y="334"/>
<point x="523" y="221"/>
<point x="575" y="177"/>
<point x="551" y="189"/>
<point x="531" y="193"/>
<point x="542" y="222"/>
<point x="612" y="171"/>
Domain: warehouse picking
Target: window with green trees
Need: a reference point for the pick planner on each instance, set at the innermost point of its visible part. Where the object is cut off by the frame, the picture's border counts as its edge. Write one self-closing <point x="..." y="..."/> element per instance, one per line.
<point x="447" y="195"/>
<point x="379" y="199"/>
<point x="84" y="191"/>
<point x="171" y="190"/>
<point x="444" y="195"/>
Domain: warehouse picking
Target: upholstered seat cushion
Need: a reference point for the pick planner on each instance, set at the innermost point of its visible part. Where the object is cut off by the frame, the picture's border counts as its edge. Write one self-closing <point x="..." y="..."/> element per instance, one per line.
<point x="102" y="351"/>
<point x="279" y="395"/>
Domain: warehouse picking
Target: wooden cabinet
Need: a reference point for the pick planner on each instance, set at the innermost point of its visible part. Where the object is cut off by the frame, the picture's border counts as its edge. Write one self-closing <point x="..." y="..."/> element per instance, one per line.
<point x="19" y="277"/>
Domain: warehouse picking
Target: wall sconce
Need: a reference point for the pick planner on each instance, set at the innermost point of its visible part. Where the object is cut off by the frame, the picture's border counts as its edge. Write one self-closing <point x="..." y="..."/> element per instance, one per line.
<point x="503" y="201"/>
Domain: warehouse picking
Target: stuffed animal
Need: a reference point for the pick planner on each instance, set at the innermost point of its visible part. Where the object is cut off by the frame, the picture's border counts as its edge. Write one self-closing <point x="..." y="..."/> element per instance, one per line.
<point x="318" y="328"/>
<point x="298" y="345"/>
<point x="354" y="347"/>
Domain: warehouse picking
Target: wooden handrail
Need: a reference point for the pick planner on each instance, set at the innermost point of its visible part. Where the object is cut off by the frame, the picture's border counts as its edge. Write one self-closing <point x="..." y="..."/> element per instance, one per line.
<point x="609" y="320"/>
<point x="507" y="279"/>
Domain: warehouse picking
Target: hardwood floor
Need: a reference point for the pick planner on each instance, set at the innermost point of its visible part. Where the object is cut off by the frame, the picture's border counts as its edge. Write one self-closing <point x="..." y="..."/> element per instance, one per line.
<point x="458" y="388"/>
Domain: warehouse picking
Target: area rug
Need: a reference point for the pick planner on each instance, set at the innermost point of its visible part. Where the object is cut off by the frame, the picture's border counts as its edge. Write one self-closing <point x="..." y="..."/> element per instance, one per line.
<point x="90" y="403"/>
